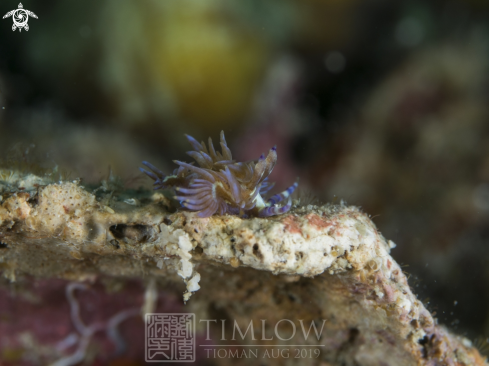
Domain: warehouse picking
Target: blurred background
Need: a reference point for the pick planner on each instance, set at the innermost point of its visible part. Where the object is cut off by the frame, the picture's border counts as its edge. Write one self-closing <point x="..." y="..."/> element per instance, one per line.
<point x="383" y="104"/>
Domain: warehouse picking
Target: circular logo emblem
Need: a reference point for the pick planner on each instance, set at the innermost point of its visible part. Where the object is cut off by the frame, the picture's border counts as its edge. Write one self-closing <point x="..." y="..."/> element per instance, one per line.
<point x="20" y="18"/>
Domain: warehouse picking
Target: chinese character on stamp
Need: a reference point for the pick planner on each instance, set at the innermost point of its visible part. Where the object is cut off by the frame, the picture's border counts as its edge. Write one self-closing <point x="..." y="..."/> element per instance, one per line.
<point x="170" y="337"/>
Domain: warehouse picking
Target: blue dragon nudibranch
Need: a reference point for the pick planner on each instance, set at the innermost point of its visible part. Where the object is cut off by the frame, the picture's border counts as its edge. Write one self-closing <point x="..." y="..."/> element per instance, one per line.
<point x="221" y="184"/>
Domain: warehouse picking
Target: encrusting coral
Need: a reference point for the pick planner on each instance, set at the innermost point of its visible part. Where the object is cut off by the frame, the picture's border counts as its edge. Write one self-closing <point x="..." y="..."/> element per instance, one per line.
<point x="316" y="262"/>
<point x="221" y="184"/>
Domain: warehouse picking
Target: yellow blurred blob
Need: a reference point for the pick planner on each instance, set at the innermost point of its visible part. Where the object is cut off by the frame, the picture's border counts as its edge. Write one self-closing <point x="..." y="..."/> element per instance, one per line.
<point x="210" y="66"/>
<point x="202" y="58"/>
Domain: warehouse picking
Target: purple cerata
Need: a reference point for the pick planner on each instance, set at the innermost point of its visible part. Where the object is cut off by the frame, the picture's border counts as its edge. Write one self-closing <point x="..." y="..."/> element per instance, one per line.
<point x="222" y="185"/>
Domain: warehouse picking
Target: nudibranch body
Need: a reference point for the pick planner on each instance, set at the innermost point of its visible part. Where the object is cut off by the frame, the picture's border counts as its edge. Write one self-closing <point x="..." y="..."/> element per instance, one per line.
<point x="221" y="184"/>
